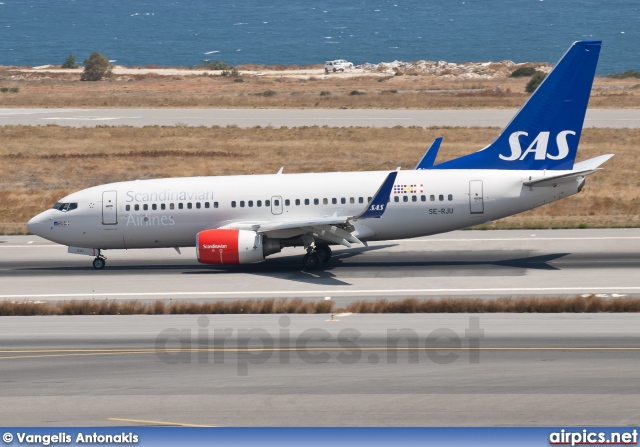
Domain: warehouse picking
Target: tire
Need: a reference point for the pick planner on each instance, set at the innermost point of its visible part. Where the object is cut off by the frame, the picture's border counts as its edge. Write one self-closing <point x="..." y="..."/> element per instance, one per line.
<point x="342" y="70"/>
<point x="311" y="261"/>
<point x="334" y="70"/>
<point x="98" y="263"/>
<point x="324" y="253"/>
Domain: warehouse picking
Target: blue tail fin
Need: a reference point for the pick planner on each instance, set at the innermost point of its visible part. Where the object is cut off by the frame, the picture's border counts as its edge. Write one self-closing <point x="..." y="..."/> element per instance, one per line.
<point x="545" y="133"/>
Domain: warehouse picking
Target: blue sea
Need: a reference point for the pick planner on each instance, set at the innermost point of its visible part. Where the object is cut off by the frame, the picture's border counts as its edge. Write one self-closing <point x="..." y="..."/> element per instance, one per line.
<point x="185" y="33"/>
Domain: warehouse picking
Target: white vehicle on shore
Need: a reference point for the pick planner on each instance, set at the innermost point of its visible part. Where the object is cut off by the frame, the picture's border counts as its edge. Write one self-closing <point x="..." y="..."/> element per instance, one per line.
<point x="337" y="65"/>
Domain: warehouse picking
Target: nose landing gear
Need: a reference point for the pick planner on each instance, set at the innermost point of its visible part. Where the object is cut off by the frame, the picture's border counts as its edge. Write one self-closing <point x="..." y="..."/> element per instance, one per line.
<point x="99" y="262"/>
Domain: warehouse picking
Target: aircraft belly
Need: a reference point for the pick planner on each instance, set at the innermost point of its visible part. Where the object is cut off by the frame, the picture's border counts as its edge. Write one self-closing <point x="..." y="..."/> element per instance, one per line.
<point x="152" y="237"/>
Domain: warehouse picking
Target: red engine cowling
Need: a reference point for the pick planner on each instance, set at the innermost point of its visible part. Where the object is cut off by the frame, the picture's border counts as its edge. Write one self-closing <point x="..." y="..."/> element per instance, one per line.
<point x="224" y="246"/>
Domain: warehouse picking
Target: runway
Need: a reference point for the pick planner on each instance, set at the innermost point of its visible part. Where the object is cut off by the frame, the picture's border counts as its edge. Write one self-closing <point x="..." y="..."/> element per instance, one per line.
<point x="305" y="370"/>
<point x="465" y="263"/>
<point x="624" y="118"/>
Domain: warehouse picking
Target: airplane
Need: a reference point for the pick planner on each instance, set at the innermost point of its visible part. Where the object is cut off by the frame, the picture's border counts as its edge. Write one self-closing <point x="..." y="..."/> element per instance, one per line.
<point x="245" y="218"/>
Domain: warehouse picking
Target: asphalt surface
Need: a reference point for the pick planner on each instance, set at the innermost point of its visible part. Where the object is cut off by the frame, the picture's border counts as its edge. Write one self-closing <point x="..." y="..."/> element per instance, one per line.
<point x="629" y="118"/>
<point x="306" y="370"/>
<point x="463" y="263"/>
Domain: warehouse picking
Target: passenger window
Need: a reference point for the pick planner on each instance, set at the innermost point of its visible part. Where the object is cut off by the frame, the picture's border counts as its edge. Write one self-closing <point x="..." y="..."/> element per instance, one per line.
<point x="215" y="204"/>
<point x="316" y="201"/>
<point x="306" y="201"/>
<point x="287" y="202"/>
<point x="259" y="203"/>
<point x="360" y="200"/>
<point x="180" y="205"/>
<point x="405" y="198"/>
<point x="127" y="208"/>
<point x="136" y="207"/>
<point x="206" y="204"/>
<point x="242" y="204"/>
<point x="334" y="201"/>
<point x="250" y="203"/>
<point x="171" y="206"/>
<point x="233" y="204"/>
<point x="352" y="200"/>
<point x="198" y="205"/>
<point x="441" y="197"/>
<point x="154" y="207"/>
<point x="163" y="206"/>
<point x="189" y="206"/>
<point x="325" y="201"/>
<point x="297" y="202"/>
<point x="396" y="198"/>
<point x="145" y="207"/>
<point x="414" y="198"/>
<point x="450" y="197"/>
<point x="369" y="199"/>
<point x="267" y="203"/>
<point x="276" y="202"/>
<point x="343" y="200"/>
<point x="432" y="198"/>
<point x="423" y="198"/>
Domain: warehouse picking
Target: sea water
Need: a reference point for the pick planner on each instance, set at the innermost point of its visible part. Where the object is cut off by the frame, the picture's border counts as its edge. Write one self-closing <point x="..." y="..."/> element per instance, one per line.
<point x="188" y="32"/>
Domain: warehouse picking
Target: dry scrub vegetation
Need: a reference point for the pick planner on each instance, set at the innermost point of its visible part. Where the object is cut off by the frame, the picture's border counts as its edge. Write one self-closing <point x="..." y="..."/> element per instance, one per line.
<point x="40" y="165"/>
<point x="576" y="304"/>
<point x="418" y="91"/>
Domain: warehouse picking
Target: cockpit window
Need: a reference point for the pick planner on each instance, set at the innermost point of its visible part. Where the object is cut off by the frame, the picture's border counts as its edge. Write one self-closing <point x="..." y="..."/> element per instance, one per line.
<point x="65" y="206"/>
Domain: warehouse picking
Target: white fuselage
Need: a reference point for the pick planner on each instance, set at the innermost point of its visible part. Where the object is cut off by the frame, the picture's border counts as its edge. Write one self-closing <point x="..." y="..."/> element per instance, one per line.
<point x="170" y="212"/>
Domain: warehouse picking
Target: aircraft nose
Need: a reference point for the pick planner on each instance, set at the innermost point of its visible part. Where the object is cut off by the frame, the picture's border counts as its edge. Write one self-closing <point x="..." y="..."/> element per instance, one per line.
<point x="34" y="225"/>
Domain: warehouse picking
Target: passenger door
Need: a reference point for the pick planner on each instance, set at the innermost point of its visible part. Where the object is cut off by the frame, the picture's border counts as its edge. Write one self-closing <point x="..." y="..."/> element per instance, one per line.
<point x="109" y="208"/>
<point x="476" y="201"/>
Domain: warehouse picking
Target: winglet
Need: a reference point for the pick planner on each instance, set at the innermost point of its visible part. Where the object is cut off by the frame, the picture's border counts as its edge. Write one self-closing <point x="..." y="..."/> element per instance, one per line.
<point x="429" y="157"/>
<point x="378" y="204"/>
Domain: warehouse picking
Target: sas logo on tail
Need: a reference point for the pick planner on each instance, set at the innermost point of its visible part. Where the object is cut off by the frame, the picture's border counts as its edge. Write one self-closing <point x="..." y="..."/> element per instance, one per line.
<point x="538" y="146"/>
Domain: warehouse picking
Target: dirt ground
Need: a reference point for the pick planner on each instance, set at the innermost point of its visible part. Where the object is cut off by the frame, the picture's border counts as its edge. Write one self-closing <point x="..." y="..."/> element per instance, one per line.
<point x="401" y="87"/>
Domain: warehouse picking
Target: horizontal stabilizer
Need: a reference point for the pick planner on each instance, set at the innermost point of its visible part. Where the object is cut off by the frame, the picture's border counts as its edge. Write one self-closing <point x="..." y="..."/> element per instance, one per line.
<point x="592" y="163"/>
<point x="581" y="170"/>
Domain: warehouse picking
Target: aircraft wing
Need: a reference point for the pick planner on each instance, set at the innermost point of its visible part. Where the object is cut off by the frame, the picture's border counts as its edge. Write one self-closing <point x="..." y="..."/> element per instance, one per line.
<point x="335" y="228"/>
<point x="580" y="170"/>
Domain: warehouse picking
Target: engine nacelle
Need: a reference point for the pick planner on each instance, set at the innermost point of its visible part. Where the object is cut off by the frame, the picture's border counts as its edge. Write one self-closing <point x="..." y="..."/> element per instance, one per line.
<point x="225" y="246"/>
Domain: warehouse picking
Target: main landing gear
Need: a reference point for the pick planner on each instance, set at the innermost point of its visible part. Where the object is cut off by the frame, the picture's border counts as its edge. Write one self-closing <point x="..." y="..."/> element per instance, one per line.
<point x="99" y="262"/>
<point x="316" y="256"/>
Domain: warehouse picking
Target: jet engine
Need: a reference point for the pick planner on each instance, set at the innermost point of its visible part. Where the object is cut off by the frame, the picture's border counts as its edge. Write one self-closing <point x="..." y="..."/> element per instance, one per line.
<point x="226" y="246"/>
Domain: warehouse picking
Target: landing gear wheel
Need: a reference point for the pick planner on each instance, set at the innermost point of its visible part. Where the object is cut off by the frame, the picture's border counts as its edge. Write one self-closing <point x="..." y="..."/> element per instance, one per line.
<point x="311" y="261"/>
<point x="99" y="263"/>
<point x="324" y="253"/>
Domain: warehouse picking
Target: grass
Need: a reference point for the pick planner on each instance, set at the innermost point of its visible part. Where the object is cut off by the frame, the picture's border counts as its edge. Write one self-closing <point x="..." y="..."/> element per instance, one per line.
<point x="578" y="304"/>
<point x="39" y="165"/>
